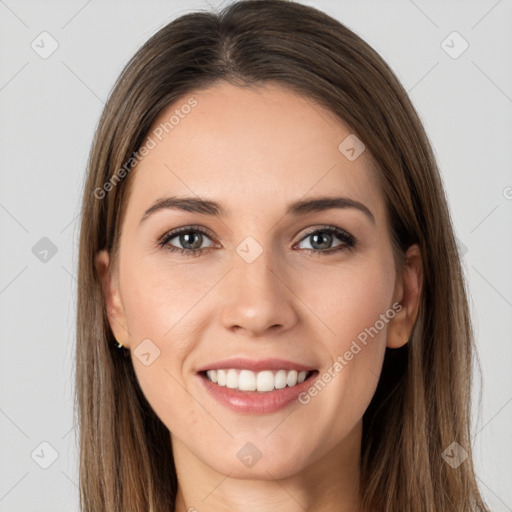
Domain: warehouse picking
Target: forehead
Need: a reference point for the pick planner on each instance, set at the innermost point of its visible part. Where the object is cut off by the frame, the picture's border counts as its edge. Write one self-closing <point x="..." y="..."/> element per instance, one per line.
<point x="241" y="146"/>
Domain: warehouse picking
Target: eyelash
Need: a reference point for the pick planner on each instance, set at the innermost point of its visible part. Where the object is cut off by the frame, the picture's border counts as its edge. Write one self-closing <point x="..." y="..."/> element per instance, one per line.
<point x="349" y="241"/>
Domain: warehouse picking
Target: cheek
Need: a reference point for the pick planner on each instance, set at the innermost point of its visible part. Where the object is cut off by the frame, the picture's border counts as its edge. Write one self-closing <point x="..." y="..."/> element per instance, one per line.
<point x="163" y="304"/>
<point x="159" y="307"/>
<point x="159" y="297"/>
<point x="354" y="305"/>
<point x="350" y="300"/>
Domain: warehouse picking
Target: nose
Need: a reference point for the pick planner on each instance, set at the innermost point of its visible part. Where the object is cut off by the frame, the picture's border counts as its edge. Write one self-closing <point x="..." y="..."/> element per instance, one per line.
<point x="257" y="297"/>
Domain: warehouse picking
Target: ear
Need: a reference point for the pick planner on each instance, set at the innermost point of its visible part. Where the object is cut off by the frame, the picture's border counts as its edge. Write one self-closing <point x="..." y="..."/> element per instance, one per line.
<point x="407" y="293"/>
<point x="113" y="302"/>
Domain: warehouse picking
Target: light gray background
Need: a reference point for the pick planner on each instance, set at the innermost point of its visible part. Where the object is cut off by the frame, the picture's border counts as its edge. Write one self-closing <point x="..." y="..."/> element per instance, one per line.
<point x="49" y="109"/>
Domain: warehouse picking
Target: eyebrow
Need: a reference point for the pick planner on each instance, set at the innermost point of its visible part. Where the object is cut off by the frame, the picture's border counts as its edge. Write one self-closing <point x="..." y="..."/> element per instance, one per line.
<point x="297" y="208"/>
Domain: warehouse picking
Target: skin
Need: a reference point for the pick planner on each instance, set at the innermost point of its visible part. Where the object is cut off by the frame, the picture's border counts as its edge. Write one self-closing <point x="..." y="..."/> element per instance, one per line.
<point x="255" y="150"/>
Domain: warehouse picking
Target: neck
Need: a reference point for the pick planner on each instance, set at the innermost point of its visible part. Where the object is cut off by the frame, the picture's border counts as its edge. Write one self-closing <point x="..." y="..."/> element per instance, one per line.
<point x="329" y="484"/>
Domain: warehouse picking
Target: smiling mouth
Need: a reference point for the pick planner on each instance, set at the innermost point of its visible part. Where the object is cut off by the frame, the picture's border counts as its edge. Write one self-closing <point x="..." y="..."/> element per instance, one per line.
<point x="262" y="381"/>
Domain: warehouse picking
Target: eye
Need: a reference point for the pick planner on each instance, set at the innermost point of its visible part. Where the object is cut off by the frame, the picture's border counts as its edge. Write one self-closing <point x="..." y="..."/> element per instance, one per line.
<point x="321" y="240"/>
<point x="190" y="238"/>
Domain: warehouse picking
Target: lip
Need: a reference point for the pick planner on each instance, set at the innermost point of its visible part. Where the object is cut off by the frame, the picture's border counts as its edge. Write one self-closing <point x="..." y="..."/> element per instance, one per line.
<point x="242" y="363"/>
<point x="255" y="402"/>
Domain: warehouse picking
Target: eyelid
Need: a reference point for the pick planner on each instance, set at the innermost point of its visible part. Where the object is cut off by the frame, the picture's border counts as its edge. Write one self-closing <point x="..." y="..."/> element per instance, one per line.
<point x="184" y="229"/>
<point x="321" y="227"/>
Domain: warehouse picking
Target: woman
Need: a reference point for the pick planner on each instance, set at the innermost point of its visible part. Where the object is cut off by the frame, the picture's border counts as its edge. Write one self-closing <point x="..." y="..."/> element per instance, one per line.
<point x="278" y="317"/>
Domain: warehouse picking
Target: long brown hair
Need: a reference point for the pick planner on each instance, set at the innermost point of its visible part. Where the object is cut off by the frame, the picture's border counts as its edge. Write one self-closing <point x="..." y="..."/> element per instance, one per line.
<point x="422" y="402"/>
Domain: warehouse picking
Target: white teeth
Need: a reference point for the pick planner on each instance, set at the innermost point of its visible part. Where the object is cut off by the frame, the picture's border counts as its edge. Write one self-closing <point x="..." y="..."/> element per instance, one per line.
<point x="292" y="378"/>
<point x="280" y="379"/>
<point x="247" y="380"/>
<point x="232" y="379"/>
<point x="265" y="381"/>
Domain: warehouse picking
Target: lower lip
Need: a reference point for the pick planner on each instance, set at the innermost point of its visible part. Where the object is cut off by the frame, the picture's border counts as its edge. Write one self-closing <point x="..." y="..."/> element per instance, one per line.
<point x="256" y="402"/>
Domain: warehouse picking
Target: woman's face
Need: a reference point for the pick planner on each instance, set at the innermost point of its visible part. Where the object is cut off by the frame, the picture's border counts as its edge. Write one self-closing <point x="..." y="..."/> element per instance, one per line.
<point x="276" y="288"/>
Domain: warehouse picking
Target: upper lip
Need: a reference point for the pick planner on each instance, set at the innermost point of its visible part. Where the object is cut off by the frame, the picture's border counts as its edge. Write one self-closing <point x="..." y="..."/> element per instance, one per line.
<point x="255" y="365"/>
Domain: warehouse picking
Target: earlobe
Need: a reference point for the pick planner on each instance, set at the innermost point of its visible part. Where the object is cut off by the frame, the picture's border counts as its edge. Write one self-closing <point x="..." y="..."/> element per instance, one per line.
<point x="113" y="303"/>
<point x="408" y="294"/>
